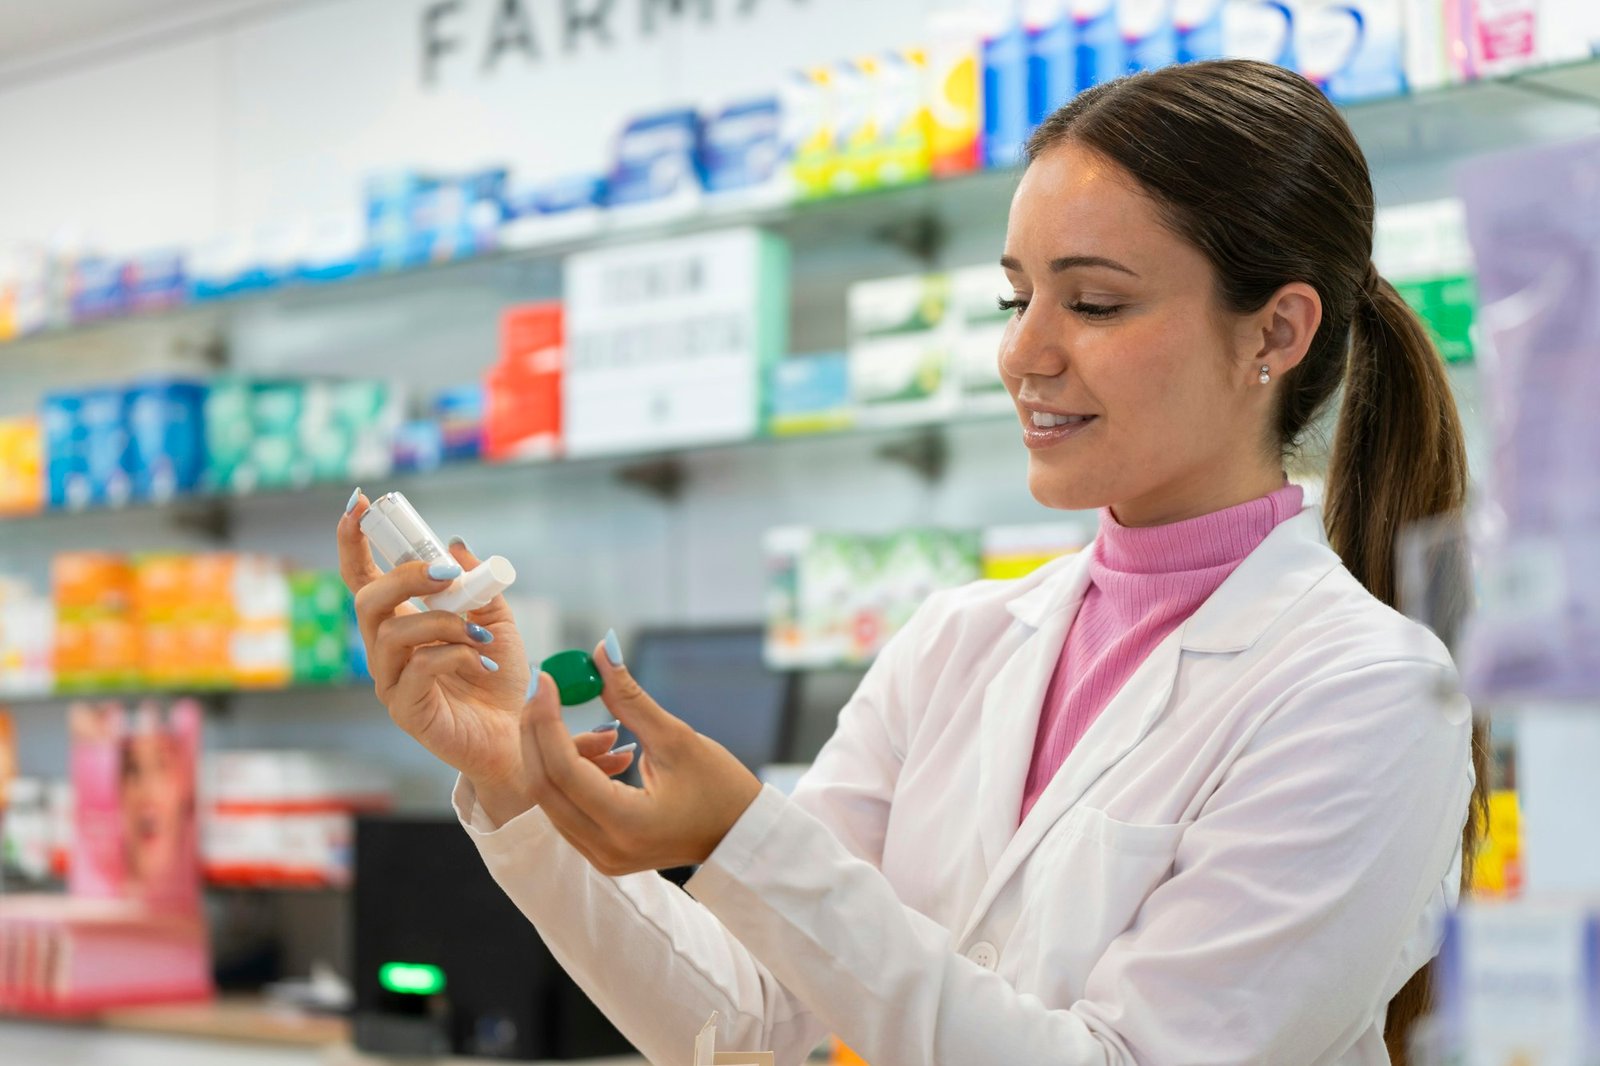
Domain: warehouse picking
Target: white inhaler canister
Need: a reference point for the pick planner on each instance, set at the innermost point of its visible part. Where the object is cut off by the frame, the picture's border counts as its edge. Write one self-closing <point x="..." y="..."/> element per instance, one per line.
<point x="400" y="535"/>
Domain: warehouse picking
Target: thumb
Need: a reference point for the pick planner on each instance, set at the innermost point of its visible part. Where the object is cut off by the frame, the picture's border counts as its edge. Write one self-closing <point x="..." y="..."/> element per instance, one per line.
<point x="630" y="704"/>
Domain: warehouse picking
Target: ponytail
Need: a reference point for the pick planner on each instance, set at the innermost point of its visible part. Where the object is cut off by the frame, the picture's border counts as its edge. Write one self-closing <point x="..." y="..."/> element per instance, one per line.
<point x="1399" y="457"/>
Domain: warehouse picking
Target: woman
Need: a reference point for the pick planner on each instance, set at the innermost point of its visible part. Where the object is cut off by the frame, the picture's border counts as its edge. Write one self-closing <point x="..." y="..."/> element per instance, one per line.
<point x="1196" y="795"/>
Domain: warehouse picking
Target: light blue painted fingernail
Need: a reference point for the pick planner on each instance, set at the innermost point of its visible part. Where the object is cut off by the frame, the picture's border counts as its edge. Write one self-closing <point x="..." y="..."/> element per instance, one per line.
<point x="354" y="496"/>
<point x="606" y="727"/>
<point x="533" y="686"/>
<point x="613" y="648"/>
<point x="444" y="570"/>
<point x="458" y="540"/>
<point x="489" y="664"/>
<point x="626" y="749"/>
<point x="479" y="634"/>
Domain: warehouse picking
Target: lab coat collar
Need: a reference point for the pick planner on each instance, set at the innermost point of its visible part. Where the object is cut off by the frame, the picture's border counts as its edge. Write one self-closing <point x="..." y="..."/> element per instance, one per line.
<point x="1292" y="558"/>
<point x="1270" y="580"/>
<point x="1282" y="568"/>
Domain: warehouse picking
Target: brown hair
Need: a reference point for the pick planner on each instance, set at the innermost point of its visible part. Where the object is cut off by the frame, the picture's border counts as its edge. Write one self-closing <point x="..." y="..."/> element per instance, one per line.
<point x="1253" y="165"/>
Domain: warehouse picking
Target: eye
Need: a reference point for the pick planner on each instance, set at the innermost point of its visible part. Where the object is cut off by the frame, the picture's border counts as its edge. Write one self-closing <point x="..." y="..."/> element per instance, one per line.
<point x="1095" y="312"/>
<point x="1017" y="305"/>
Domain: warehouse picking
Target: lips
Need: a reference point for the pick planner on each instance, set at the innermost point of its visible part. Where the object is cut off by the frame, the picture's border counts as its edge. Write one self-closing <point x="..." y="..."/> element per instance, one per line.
<point x="1045" y="429"/>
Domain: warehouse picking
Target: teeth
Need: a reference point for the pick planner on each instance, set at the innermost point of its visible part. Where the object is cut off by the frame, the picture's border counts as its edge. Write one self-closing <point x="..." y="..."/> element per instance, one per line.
<point x="1045" y="420"/>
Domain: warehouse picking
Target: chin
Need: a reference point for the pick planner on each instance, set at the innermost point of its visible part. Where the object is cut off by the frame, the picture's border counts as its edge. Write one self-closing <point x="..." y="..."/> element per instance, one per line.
<point x="1060" y="491"/>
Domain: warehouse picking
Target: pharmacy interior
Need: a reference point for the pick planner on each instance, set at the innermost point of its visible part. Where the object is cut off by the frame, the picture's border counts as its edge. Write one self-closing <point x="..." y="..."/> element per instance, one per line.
<point x="687" y="312"/>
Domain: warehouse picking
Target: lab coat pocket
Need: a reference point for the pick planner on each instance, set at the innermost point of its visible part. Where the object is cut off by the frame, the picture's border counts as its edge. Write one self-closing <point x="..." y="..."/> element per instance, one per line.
<point x="1083" y="887"/>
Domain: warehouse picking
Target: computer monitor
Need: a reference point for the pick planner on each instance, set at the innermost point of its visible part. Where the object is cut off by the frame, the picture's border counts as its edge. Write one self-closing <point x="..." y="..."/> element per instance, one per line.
<point x="716" y="680"/>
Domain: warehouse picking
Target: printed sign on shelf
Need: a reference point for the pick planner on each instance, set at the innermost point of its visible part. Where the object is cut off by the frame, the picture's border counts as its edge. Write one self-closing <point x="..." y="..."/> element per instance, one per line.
<point x="667" y="343"/>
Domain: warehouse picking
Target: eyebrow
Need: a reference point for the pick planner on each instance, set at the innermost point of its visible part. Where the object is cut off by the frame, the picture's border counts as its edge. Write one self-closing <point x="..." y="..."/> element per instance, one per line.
<point x="1067" y="262"/>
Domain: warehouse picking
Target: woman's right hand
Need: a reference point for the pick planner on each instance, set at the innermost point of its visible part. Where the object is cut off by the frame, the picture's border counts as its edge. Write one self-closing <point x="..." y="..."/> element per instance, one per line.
<point x="458" y="684"/>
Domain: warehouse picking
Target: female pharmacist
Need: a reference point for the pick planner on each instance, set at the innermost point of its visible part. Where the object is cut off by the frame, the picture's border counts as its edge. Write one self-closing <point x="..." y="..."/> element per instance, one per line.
<point x="1194" y="795"/>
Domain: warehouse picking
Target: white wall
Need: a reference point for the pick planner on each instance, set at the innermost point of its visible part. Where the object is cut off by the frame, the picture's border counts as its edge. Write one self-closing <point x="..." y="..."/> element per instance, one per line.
<point x="287" y="111"/>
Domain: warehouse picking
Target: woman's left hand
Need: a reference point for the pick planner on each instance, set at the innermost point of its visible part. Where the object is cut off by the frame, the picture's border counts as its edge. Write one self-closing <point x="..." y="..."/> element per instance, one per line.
<point x="694" y="788"/>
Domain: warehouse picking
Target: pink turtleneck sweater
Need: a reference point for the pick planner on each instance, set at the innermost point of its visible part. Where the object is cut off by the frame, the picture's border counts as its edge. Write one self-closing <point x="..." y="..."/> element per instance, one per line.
<point x="1142" y="584"/>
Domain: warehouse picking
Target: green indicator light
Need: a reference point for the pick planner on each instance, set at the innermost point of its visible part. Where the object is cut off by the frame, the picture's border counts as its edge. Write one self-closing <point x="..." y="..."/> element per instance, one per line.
<point x="411" y="978"/>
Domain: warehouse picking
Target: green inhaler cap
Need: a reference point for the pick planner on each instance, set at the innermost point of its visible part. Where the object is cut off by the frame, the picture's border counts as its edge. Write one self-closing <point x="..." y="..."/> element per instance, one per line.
<point x="576" y="676"/>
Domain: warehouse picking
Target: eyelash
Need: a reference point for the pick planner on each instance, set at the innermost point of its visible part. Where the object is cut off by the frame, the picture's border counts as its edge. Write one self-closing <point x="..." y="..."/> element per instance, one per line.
<point x="1093" y="312"/>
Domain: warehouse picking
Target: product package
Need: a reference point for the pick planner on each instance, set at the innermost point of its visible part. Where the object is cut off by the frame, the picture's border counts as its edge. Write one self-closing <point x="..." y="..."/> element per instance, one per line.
<point x="1149" y="34"/>
<point x="978" y="327"/>
<point x="655" y="170"/>
<point x="1102" y="51"/>
<point x="286" y="818"/>
<point x="1052" y="56"/>
<point x="1259" y="29"/>
<point x="166" y="452"/>
<point x="131" y="928"/>
<point x="27" y="640"/>
<point x="522" y="391"/>
<point x="1353" y="51"/>
<point x="900" y="349"/>
<point x="1005" y="91"/>
<point x="955" y="93"/>
<point x="1015" y="551"/>
<point x="901" y="121"/>
<point x="810" y="124"/>
<point x="809" y="393"/>
<point x="669" y="343"/>
<point x="1199" y="28"/>
<point x="743" y="156"/>
<point x="1422" y="250"/>
<point x="22" y="485"/>
<point x="556" y="210"/>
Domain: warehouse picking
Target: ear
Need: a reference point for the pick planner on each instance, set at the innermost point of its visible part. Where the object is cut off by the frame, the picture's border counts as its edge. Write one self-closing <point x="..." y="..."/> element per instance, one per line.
<point x="1280" y="333"/>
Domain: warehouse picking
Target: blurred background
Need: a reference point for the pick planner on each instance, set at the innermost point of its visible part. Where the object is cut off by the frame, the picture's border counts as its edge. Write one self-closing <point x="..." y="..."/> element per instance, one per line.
<point x="688" y="308"/>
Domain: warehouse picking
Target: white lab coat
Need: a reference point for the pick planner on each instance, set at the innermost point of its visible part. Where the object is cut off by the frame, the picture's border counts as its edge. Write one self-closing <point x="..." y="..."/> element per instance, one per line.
<point x="1245" y="857"/>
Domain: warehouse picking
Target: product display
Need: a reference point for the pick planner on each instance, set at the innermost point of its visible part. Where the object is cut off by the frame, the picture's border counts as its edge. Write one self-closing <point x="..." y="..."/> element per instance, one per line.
<point x="285" y="818"/>
<point x="522" y="391"/>
<point x="1422" y="250"/>
<point x="218" y="620"/>
<point x="836" y="598"/>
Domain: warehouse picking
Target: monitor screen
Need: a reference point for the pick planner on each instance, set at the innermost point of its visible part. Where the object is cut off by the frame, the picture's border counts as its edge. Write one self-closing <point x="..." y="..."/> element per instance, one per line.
<point x="716" y="680"/>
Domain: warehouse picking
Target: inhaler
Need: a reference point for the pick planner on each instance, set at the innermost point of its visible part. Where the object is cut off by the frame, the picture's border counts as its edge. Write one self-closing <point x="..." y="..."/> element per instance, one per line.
<point x="395" y="528"/>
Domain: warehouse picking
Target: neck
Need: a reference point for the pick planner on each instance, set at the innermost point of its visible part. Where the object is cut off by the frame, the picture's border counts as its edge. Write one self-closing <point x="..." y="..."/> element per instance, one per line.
<point x="1167" y="505"/>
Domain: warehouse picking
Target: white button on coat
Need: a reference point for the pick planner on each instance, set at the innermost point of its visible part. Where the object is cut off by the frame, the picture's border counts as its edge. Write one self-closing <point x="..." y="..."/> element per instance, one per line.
<point x="1243" y="859"/>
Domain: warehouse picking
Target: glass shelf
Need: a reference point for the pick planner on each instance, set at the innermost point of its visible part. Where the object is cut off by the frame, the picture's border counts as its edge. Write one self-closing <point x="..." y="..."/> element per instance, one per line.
<point x="134" y="694"/>
<point x="916" y="443"/>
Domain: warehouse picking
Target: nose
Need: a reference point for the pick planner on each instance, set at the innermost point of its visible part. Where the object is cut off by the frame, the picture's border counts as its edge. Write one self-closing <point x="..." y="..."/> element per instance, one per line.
<point x="1032" y="346"/>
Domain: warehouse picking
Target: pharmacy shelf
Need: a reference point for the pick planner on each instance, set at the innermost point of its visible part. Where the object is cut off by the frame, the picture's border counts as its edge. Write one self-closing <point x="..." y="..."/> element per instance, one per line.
<point x="918" y="443"/>
<point x="132" y="694"/>
<point x="1413" y="143"/>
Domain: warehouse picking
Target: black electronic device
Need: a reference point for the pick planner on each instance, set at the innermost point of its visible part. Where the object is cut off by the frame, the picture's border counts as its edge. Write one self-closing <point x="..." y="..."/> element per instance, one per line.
<point x="716" y="680"/>
<point x="444" y="962"/>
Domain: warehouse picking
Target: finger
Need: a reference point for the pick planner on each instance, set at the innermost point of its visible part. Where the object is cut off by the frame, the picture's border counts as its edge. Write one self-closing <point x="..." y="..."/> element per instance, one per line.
<point x="426" y="666"/>
<point x="356" y="565"/>
<point x="496" y="610"/>
<point x="608" y="806"/>
<point x="542" y="727"/>
<point x="398" y="636"/>
<point x="381" y="598"/>
<point x="633" y="707"/>
<point x="615" y="762"/>
<point x="593" y="745"/>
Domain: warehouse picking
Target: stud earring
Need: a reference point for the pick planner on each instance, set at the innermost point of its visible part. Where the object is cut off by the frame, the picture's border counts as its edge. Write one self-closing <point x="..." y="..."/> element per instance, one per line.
<point x="1266" y="374"/>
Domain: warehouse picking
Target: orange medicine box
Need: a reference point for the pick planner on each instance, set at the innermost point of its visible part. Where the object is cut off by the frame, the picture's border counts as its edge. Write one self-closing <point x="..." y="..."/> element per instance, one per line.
<point x="91" y="581"/>
<point x="522" y="413"/>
